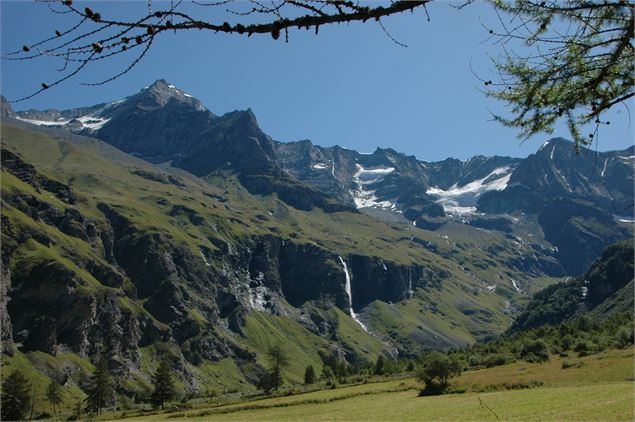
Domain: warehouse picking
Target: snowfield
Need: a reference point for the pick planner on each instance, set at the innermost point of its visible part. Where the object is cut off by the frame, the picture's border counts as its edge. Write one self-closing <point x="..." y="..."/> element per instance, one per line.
<point x="461" y="200"/>
<point x="366" y="198"/>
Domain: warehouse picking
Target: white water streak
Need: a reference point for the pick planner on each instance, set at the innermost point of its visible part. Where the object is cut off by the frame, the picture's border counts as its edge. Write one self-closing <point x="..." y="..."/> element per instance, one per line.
<point x="350" y="295"/>
<point x="604" y="169"/>
<point x="515" y="285"/>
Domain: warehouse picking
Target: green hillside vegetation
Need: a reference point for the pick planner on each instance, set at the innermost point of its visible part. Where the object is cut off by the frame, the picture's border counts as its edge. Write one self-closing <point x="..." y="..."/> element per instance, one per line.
<point x="579" y="337"/>
<point x="583" y="356"/>
<point x="56" y="262"/>
<point x="597" y="387"/>
<point x="606" y="288"/>
<point x="614" y="400"/>
<point x="189" y="212"/>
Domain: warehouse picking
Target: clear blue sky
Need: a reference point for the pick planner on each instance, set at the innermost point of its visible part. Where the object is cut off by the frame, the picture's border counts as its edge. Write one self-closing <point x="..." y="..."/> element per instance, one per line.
<point x="350" y="85"/>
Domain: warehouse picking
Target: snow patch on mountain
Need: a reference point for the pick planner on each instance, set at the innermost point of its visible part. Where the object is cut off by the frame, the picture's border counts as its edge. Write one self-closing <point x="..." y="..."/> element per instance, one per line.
<point x="372" y="175"/>
<point x="364" y="197"/>
<point x="368" y="199"/>
<point x="88" y="122"/>
<point x="93" y="123"/>
<point x="43" y="122"/>
<point x="624" y="219"/>
<point x="461" y="200"/>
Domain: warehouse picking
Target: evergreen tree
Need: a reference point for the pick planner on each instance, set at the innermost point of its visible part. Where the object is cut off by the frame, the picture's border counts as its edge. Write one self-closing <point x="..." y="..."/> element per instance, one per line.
<point x="15" y="397"/>
<point x="278" y="360"/>
<point x="309" y="375"/>
<point x="163" y="384"/>
<point x="54" y="395"/>
<point x="101" y="390"/>
<point x="380" y="365"/>
<point x="572" y="73"/>
<point x="78" y="411"/>
<point x="327" y="373"/>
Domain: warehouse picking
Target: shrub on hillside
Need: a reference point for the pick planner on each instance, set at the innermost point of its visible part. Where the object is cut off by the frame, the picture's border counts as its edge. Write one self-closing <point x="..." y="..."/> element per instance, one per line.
<point x="582" y="347"/>
<point x="535" y="351"/>
<point x="436" y="371"/>
<point x="496" y="360"/>
<point x="623" y="338"/>
<point x="566" y="342"/>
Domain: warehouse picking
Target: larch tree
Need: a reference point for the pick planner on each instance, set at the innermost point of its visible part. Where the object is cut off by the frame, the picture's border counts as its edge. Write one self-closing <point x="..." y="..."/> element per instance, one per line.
<point x="101" y="390"/>
<point x="16" y="397"/>
<point x="278" y="360"/>
<point x="309" y="375"/>
<point x="570" y="60"/>
<point x="163" y="384"/>
<point x="54" y="395"/>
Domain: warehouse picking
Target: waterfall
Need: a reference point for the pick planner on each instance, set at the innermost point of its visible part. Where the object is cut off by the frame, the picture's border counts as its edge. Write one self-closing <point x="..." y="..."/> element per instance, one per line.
<point x="515" y="285"/>
<point x="350" y="295"/>
<point x="410" y="291"/>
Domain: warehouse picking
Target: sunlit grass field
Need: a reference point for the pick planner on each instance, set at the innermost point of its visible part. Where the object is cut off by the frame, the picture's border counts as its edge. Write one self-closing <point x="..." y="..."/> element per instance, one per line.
<point x="612" y="401"/>
<point x="596" y="387"/>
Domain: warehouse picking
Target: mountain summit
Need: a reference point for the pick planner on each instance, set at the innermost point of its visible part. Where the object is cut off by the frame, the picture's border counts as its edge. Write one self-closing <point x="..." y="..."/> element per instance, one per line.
<point x="163" y="124"/>
<point x="324" y="249"/>
<point x="159" y="94"/>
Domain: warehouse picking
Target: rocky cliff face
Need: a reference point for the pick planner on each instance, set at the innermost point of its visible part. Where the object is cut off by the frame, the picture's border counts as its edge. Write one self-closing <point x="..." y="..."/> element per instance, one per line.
<point x="579" y="230"/>
<point x="556" y="170"/>
<point x="161" y="123"/>
<point x="121" y="256"/>
<point x="132" y="287"/>
<point x="6" y="327"/>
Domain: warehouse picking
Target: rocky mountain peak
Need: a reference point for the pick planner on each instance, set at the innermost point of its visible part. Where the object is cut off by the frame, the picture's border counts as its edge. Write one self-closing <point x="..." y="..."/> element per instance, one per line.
<point x="243" y="117"/>
<point x="556" y="146"/>
<point x="160" y="93"/>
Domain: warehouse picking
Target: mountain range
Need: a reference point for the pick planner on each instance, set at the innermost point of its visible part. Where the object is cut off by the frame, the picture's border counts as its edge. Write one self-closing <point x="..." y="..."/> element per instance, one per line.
<point x="162" y="124"/>
<point x="150" y="225"/>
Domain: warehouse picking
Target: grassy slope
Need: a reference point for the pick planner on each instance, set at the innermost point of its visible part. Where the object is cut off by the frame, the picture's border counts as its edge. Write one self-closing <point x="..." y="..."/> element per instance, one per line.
<point x="602" y="402"/>
<point x="466" y="310"/>
<point x="263" y="331"/>
<point x="601" y="368"/>
<point x="30" y="365"/>
<point x="601" y="389"/>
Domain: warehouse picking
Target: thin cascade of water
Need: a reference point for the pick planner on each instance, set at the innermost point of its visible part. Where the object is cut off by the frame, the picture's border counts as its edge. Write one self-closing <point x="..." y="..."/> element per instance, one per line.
<point x="350" y="294"/>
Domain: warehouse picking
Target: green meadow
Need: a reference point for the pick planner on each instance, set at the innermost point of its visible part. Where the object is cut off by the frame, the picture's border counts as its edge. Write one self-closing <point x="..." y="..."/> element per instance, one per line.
<point x="596" y="387"/>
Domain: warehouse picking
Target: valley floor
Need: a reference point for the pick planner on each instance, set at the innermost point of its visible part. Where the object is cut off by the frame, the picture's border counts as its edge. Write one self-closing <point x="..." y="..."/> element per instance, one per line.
<point x="597" y="387"/>
<point x="612" y="401"/>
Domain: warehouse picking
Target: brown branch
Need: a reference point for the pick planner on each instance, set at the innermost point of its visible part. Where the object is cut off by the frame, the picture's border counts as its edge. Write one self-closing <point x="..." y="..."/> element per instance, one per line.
<point x="279" y="24"/>
<point x="604" y="107"/>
